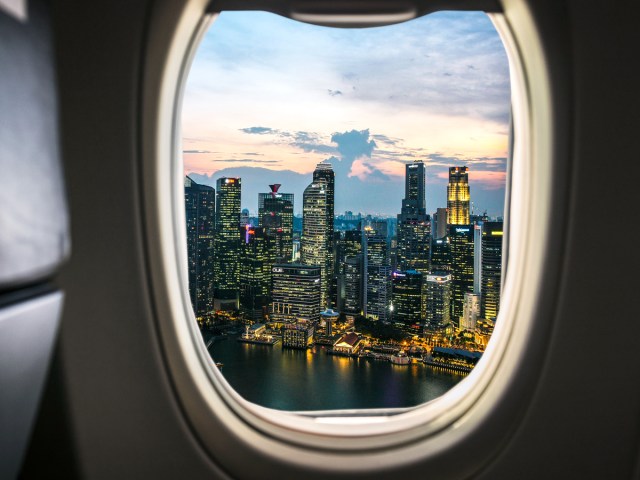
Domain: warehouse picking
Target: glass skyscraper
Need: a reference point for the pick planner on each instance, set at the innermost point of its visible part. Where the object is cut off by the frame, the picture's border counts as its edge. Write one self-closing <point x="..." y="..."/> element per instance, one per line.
<point x="317" y="227"/>
<point x="227" y="243"/>
<point x="275" y="213"/>
<point x="377" y="271"/>
<point x="200" y="201"/>
<point x="438" y="293"/>
<point x="254" y="271"/>
<point x="462" y="261"/>
<point x="491" y="269"/>
<point x="295" y="293"/>
<point x="407" y="296"/>
<point x="414" y="225"/>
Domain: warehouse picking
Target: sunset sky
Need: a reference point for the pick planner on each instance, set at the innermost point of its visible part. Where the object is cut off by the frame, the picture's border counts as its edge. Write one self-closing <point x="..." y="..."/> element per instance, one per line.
<point x="269" y="98"/>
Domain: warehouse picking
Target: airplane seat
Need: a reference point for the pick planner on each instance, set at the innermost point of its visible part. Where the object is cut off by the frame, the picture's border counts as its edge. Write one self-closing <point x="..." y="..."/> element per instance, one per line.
<point x="34" y="234"/>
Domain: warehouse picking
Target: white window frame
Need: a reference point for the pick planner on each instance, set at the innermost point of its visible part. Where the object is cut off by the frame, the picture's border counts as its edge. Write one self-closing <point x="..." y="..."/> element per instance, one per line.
<point x="368" y="440"/>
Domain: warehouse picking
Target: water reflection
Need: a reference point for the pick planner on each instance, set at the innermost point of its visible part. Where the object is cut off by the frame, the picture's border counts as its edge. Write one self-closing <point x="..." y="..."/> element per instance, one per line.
<point x="313" y="380"/>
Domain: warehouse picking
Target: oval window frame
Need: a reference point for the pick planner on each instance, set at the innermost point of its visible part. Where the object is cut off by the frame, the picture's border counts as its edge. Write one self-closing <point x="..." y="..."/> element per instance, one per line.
<point x="401" y="437"/>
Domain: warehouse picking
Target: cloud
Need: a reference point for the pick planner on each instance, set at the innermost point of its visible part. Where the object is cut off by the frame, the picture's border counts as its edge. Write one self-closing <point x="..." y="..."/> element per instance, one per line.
<point x="258" y="130"/>
<point x="354" y="144"/>
<point x="334" y="93"/>
<point x="197" y="151"/>
<point x="244" y="160"/>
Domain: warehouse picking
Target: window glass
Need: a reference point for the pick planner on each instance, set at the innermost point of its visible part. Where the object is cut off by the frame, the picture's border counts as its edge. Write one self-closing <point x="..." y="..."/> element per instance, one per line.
<point x="344" y="194"/>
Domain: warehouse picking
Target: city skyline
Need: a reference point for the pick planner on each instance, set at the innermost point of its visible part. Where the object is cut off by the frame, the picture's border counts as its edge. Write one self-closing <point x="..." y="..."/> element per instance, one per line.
<point x="265" y="108"/>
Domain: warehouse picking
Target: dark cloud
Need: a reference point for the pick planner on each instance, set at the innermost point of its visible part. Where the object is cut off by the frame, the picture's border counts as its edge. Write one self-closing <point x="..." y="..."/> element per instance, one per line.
<point x="258" y="130"/>
<point x="354" y="144"/>
<point x="334" y="93"/>
<point x="196" y="151"/>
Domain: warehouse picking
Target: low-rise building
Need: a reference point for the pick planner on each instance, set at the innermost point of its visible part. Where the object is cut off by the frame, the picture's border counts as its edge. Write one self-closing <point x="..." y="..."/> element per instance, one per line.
<point x="348" y="344"/>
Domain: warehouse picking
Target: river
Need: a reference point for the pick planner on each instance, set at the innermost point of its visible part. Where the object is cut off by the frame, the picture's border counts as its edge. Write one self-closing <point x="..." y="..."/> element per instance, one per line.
<point x="287" y="379"/>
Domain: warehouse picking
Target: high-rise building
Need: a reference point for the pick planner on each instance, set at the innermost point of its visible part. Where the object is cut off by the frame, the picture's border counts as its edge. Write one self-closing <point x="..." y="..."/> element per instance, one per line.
<point x="441" y="223"/>
<point x="377" y="271"/>
<point x="407" y="297"/>
<point x="317" y="236"/>
<point x="254" y="271"/>
<point x="295" y="293"/>
<point x="491" y="269"/>
<point x="347" y="244"/>
<point x="458" y="196"/>
<point x="462" y="262"/>
<point x="470" y="311"/>
<point x="324" y="173"/>
<point x="438" y="293"/>
<point x="275" y="214"/>
<point x="353" y="280"/>
<point x="227" y="243"/>
<point x="477" y="255"/>
<point x="414" y="225"/>
<point x="441" y="255"/>
<point x="200" y="207"/>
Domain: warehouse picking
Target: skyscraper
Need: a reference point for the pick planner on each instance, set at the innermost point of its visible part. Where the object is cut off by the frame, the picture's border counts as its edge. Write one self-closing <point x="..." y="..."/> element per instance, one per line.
<point x="441" y="255"/>
<point x="462" y="261"/>
<point x="295" y="293"/>
<point x="227" y="243"/>
<point x="377" y="271"/>
<point x="470" y="311"/>
<point x="275" y="213"/>
<point x="441" y="222"/>
<point x="254" y="271"/>
<point x="491" y="269"/>
<point x="438" y="293"/>
<point x="407" y="296"/>
<point x="414" y="225"/>
<point x="458" y="196"/>
<point x="200" y="201"/>
<point x="348" y="244"/>
<point x="317" y="227"/>
<point x="353" y="280"/>
<point x="324" y="173"/>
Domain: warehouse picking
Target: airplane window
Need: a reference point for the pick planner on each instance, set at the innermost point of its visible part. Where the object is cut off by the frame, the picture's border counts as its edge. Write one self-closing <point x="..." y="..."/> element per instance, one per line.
<point x="344" y="193"/>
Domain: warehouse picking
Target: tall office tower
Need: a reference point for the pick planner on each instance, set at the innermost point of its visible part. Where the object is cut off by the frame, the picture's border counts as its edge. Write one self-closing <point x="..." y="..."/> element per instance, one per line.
<point x="414" y="225"/>
<point x="470" y="311"/>
<point x="316" y="242"/>
<point x="441" y="255"/>
<point x="200" y="208"/>
<point x="353" y="280"/>
<point x="477" y="255"/>
<point x="295" y="293"/>
<point x="227" y="243"/>
<point x="462" y="259"/>
<point x="407" y="296"/>
<point x="441" y="222"/>
<point x="275" y="214"/>
<point x="347" y="244"/>
<point x="254" y="271"/>
<point x="324" y="173"/>
<point x="438" y="293"/>
<point x="458" y="196"/>
<point x="377" y="271"/>
<point x="491" y="269"/>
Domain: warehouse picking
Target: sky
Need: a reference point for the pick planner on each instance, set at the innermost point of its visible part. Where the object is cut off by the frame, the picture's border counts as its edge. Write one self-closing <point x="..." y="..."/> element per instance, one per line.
<point x="268" y="98"/>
